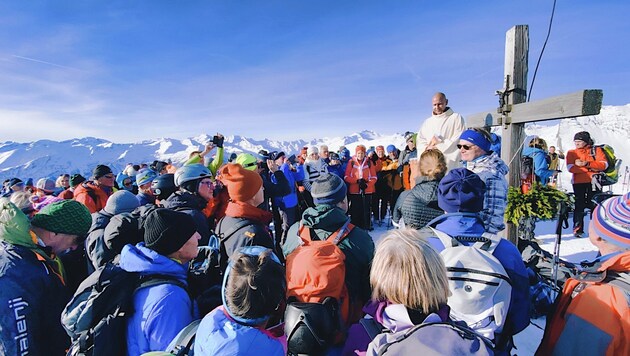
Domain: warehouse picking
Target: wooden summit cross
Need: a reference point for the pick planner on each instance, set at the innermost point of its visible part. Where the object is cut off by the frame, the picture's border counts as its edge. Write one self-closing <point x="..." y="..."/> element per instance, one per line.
<point x="513" y="112"/>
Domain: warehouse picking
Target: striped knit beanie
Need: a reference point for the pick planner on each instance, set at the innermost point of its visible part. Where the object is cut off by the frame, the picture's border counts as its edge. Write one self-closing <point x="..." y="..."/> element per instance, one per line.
<point x="611" y="220"/>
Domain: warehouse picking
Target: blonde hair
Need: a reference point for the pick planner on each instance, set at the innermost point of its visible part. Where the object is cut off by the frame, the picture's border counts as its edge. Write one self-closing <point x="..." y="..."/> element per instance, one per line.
<point x="538" y="142"/>
<point x="59" y="179"/>
<point x="407" y="270"/>
<point x="432" y="164"/>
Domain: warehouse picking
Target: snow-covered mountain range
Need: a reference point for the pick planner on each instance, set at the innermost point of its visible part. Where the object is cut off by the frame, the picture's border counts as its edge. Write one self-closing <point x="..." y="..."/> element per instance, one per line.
<point x="45" y="158"/>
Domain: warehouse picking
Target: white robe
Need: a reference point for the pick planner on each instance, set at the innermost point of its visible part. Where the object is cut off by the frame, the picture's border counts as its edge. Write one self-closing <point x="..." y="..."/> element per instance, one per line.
<point x="447" y="126"/>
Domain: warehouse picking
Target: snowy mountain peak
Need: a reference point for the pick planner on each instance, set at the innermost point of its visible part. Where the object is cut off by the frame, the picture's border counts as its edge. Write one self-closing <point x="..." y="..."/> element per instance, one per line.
<point x="80" y="155"/>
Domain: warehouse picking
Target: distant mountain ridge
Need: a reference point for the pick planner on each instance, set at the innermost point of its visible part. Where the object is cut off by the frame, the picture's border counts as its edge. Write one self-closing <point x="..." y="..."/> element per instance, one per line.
<point x="46" y="158"/>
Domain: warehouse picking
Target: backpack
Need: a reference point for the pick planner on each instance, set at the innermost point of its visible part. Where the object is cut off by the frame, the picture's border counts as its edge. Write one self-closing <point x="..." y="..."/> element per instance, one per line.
<point x="527" y="168"/>
<point x="433" y="338"/>
<point x="311" y="328"/>
<point x="542" y="286"/>
<point x="480" y="287"/>
<point x="610" y="175"/>
<point x="316" y="272"/>
<point x="96" y="316"/>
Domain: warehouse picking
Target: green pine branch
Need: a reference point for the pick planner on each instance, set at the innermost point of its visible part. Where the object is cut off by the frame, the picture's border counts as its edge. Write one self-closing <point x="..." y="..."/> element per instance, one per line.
<point x="540" y="202"/>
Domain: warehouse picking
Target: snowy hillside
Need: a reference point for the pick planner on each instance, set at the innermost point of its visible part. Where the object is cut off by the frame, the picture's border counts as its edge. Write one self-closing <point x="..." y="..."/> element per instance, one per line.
<point x="611" y="126"/>
<point x="50" y="158"/>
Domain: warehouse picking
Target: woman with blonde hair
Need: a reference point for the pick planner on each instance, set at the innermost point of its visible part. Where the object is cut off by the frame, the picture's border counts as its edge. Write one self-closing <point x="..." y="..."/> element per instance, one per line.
<point x="410" y="290"/>
<point x="419" y="205"/>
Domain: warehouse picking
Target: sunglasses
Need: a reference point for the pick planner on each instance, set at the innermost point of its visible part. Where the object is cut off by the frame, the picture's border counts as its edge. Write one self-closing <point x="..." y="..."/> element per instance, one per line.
<point x="465" y="147"/>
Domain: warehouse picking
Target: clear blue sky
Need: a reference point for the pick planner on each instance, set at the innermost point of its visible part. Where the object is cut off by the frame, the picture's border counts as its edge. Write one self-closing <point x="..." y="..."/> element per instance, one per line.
<point x="133" y="70"/>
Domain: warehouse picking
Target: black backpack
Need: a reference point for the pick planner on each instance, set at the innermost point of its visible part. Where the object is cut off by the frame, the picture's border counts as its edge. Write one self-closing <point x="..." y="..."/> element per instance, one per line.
<point x="311" y="328"/>
<point x="96" y="316"/>
<point x="527" y="168"/>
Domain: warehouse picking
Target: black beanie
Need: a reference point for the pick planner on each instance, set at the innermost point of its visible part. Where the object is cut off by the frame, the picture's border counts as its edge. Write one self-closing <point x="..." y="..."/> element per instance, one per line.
<point x="166" y="231"/>
<point x="583" y="136"/>
<point x="76" y="179"/>
<point x="100" y="171"/>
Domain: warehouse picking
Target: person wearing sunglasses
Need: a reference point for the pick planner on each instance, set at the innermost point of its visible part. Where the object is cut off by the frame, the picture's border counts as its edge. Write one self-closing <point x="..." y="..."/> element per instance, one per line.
<point x="94" y="193"/>
<point x="195" y="190"/>
<point x="144" y="178"/>
<point x="441" y="130"/>
<point x="474" y="146"/>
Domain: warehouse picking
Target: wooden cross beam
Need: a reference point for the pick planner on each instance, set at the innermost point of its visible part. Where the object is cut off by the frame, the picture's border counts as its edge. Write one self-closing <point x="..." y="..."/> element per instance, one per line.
<point x="513" y="112"/>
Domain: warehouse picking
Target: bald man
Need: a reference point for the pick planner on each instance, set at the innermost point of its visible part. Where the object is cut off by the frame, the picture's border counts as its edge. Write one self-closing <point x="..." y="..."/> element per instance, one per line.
<point x="441" y="131"/>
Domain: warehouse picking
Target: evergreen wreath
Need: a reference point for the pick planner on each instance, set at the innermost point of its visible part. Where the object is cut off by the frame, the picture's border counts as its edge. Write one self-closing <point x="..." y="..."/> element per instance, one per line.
<point x="540" y="202"/>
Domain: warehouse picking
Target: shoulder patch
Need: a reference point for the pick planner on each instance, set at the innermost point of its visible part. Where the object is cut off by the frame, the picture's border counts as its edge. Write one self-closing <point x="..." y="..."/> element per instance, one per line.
<point x="249" y="234"/>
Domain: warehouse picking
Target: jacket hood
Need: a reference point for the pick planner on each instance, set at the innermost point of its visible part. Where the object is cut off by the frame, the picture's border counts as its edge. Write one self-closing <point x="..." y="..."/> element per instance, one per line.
<point x="142" y="259"/>
<point x="395" y="317"/>
<point x="448" y="112"/>
<point x="184" y="200"/>
<point x="492" y="163"/>
<point x="425" y="191"/>
<point x="324" y="217"/>
<point x="14" y="225"/>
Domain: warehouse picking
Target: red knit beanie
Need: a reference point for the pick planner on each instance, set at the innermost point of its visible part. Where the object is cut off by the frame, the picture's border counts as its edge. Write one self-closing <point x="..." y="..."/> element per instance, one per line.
<point x="359" y="148"/>
<point x="242" y="184"/>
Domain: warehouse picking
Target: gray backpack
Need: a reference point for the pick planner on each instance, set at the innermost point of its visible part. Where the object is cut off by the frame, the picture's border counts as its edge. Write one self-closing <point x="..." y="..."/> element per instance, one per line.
<point x="440" y="338"/>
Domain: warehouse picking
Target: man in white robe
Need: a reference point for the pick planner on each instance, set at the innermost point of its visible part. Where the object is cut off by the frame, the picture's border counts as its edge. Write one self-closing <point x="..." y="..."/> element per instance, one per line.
<point x="441" y="131"/>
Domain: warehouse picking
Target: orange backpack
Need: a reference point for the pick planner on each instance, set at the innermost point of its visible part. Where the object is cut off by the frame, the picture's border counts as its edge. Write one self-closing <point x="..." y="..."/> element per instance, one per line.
<point x="317" y="270"/>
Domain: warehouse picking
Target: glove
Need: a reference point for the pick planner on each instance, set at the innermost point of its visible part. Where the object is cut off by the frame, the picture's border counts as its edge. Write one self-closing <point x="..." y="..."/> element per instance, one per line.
<point x="362" y="184"/>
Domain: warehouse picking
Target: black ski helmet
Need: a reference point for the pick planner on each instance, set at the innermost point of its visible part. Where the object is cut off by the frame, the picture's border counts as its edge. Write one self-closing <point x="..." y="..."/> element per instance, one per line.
<point x="163" y="186"/>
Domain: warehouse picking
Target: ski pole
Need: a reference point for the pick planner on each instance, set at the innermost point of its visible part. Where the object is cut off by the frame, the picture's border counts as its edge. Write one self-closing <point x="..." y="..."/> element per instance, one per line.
<point x="556" y="247"/>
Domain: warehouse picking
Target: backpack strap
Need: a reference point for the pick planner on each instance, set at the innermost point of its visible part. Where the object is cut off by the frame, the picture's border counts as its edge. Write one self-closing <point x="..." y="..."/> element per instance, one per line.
<point x="224" y="236"/>
<point x="336" y="237"/>
<point x="157" y="279"/>
<point x="447" y="240"/>
<point x="182" y="343"/>
<point x="620" y="280"/>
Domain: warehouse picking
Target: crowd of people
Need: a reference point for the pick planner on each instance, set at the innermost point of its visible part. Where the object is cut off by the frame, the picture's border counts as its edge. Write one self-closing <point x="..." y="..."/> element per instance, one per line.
<point x="315" y="283"/>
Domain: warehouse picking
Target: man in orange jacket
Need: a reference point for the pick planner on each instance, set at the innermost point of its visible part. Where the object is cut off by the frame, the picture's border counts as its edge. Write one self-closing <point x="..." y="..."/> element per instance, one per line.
<point x="584" y="162"/>
<point x="592" y="315"/>
<point x="94" y="194"/>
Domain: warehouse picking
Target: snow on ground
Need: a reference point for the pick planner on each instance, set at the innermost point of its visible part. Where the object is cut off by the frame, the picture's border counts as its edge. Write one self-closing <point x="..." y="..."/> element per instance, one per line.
<point x="571" y="249"/>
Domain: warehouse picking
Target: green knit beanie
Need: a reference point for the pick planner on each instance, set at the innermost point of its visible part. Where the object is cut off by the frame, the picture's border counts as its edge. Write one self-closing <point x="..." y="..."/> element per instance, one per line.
<point x="65" y="217"/>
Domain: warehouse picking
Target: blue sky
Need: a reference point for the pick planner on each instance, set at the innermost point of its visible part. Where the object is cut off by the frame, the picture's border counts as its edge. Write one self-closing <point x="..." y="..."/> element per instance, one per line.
<point x="128" y="71"/>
